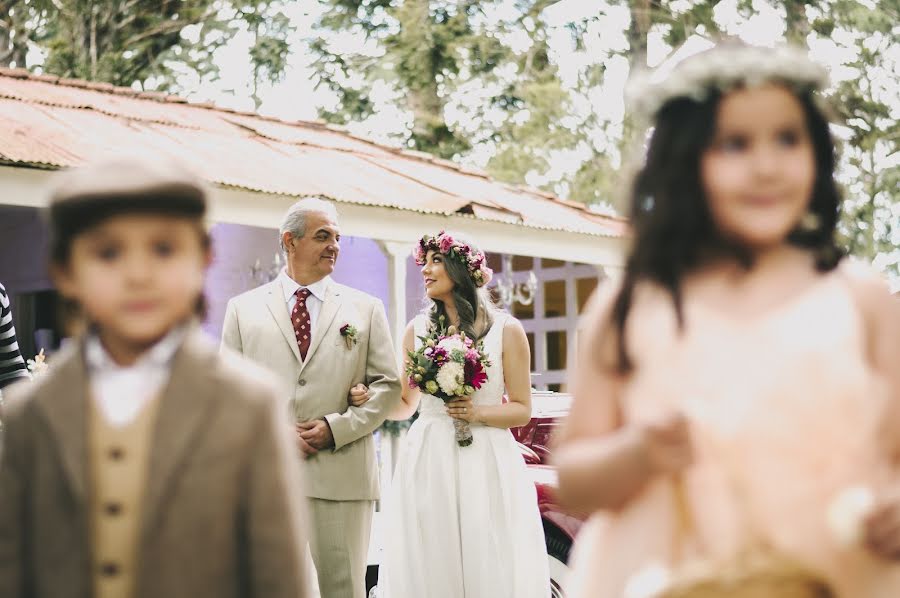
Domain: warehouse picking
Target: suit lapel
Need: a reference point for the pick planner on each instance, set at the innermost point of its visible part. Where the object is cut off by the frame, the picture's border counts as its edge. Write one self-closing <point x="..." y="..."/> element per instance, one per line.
<point x="186" y="403"/>
<point x="329" y="310"/>
<point x="278" y="308"/>
<point x="65" y="406"/>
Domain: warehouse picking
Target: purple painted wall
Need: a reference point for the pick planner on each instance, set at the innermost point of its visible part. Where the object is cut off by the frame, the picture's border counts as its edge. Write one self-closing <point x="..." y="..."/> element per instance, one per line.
<point x="415" y="288"/>
<point x="23" y="250"/>
<point x="362" y="265"/>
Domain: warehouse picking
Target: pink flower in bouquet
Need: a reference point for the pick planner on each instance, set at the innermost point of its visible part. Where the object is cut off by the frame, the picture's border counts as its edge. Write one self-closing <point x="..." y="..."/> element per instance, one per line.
<point x="437" y="354"/>
<point x="475" y="374"/>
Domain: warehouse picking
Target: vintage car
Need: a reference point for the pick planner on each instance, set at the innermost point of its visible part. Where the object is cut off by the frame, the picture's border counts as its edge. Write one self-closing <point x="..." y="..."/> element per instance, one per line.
<point x="560" y="527"/>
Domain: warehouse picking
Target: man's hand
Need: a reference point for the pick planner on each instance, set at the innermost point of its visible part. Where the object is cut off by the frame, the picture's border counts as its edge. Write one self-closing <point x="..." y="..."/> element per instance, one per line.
<point x="307" y="449"/>
<point x="316" y="433"/>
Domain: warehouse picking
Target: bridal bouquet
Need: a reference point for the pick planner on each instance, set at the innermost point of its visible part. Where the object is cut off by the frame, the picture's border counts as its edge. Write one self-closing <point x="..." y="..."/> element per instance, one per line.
<point x="448" y="365"/>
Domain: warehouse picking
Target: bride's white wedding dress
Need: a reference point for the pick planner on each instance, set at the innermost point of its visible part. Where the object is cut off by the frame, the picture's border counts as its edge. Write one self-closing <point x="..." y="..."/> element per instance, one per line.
<point x="463" y="522"/>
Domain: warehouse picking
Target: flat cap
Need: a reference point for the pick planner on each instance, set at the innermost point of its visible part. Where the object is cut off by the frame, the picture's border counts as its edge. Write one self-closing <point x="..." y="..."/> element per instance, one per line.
<point x="83" y="197"/>
<point x="131" y="181"/>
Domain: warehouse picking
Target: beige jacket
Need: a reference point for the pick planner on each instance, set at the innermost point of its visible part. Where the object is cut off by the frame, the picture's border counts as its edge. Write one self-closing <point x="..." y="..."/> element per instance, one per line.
<point x="257" y="324"/>
<point x="222" y="513"/>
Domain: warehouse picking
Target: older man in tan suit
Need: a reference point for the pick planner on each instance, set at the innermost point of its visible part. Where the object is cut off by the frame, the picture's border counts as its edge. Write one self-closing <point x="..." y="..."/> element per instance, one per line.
<point x="325" y="339"/>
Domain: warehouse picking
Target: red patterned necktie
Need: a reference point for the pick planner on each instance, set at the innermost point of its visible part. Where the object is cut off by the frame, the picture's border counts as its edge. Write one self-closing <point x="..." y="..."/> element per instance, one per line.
<point x="301" y="322"/>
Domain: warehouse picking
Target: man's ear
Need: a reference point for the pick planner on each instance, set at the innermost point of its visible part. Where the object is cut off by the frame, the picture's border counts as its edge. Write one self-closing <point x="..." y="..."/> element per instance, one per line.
<point x="287" y="241"/>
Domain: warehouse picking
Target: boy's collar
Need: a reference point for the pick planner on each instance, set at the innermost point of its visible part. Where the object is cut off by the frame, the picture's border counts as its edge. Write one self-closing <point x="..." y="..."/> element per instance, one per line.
<point x="160" y="354"/>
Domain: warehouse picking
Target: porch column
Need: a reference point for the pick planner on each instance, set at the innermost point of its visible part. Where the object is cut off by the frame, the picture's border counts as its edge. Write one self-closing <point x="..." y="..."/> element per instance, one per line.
<point x="396" y="253"/>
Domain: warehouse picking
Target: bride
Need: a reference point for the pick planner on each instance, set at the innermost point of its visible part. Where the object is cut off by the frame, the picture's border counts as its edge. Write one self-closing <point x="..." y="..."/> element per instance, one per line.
<point x="464" y="521"/>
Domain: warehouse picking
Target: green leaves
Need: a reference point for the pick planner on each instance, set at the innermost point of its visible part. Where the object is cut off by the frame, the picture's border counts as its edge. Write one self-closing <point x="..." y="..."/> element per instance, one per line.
<point x="866" y="102"/>
<point x="148" y="43"/>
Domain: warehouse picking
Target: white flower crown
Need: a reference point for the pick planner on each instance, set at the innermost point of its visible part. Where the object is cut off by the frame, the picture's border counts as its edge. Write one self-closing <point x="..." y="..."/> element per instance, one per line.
<point x="723" y="67"/>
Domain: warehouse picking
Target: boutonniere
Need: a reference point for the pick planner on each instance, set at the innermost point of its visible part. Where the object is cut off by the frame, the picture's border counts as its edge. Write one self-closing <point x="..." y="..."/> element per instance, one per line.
<point x="38" y="366"/>
<point x="348" y="331"/>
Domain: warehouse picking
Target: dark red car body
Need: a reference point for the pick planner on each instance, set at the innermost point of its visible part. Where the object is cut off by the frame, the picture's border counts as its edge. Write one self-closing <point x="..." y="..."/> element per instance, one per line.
<point x="535" y="438"/>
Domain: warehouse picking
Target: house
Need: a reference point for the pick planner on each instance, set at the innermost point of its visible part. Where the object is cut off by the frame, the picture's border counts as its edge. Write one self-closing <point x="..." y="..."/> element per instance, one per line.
<point x="387" y="198"/>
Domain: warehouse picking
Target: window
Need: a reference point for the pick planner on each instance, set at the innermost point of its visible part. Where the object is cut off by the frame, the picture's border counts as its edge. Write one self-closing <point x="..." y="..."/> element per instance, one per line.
<point x="549" y="263"/>
<point x="551" y="321"/>
<point x="522" y="263"/>
<point x="556" y="350"/>
<point x="523" y="312"/>
<point x="554" y="298"/>
<point x="583" y="289"/>
<point x="530" y="337"/>
<point x="495" y="262"/>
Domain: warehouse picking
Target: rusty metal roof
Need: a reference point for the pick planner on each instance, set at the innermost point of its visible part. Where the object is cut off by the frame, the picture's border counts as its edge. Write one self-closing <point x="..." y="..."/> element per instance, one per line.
<point x="48" y="122"/>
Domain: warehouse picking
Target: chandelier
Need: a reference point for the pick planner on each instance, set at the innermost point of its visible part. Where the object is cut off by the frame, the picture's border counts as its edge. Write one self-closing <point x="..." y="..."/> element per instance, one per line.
<point x="510" y="291"/>
<point x="260" y="275"/>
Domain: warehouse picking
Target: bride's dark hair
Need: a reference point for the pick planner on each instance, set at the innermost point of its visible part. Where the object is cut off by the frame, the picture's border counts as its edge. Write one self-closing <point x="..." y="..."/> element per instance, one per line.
<point x="468" y="298"/>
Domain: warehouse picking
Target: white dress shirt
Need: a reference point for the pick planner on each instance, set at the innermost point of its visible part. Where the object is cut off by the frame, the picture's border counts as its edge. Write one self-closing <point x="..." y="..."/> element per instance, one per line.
<point x="120" y="392"/>
<point x="313" y="302"/>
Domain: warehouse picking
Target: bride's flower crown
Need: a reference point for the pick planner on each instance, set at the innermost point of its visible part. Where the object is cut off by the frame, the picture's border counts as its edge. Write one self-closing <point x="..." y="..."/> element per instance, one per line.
<point x="474" y="260"/>
<point x="727" y="66"/>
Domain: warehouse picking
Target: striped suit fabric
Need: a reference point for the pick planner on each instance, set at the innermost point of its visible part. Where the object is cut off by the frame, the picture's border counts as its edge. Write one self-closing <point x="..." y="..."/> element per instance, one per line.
<point x="12" y="366"/>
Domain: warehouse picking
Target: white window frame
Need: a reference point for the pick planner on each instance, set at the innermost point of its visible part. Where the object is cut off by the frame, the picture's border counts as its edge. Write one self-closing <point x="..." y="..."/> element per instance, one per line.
<point x="539" y="325"/>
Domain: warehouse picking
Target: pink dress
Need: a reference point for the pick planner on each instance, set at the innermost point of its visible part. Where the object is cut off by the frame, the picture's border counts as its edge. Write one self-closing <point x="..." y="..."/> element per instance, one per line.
<point x="784" y="410"/>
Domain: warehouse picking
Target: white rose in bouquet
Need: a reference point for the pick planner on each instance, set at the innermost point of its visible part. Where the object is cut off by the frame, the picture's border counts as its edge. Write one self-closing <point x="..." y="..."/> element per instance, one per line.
<point x="451" y="377"/>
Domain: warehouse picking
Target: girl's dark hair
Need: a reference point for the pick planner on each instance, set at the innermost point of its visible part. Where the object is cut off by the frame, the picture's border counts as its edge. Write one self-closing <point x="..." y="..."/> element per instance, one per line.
<point x="468" y="300"/>
<point x="672" y="226"/>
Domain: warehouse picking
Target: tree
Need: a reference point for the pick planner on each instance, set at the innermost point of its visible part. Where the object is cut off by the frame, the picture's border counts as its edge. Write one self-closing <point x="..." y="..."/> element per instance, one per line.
<point x="420" y="48"/>
<point x="14" y="25"/>
<point x="141" y="42"/>
<point x="866" y="102"/>
<point x="536" y="104"/>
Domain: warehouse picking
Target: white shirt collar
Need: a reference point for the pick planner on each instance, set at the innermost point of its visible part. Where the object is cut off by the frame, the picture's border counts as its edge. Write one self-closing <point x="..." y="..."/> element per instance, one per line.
<point x="158" y="355"/>
<point x="290" y="286"/>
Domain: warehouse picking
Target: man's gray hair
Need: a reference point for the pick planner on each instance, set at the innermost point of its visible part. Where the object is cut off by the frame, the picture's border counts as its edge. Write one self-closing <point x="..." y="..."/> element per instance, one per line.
<point x="294" y="221"/>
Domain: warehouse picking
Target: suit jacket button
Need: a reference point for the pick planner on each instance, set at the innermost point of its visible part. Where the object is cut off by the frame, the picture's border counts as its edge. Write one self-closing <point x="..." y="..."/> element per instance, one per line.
<point x="301" y="382"/>
<point x="109" y="569"/>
